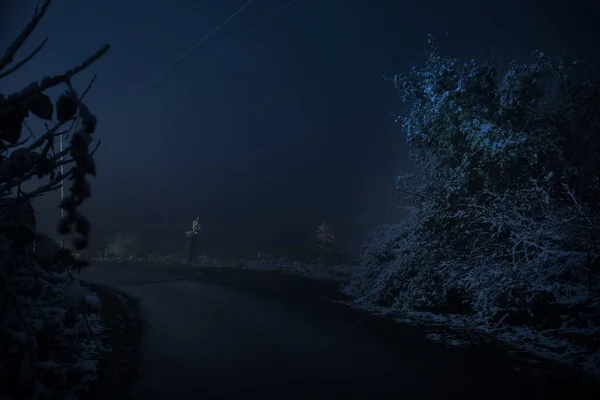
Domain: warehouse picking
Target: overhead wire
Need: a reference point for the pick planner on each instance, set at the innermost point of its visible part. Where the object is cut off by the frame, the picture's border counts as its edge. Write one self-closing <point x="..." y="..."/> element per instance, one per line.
<point x="219" y="26"/>
<point x="136" y="93"/>
<point x="251" y="31"/>
<point x="205" y="38"/>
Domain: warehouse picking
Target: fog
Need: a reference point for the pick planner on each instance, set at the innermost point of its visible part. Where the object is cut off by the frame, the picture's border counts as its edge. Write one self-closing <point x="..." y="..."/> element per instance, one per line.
<point x="264" y="139"/>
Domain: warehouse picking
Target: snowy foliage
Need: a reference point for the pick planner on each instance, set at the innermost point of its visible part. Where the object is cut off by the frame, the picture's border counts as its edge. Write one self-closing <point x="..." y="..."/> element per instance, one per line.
<point x="472" y="129"/>
<point x="47" y="341"/>
<point x="193" y="236"/>
<point x="507" y="188"/>
<point x="123" y="245"/>
<point x="195" y="231"/>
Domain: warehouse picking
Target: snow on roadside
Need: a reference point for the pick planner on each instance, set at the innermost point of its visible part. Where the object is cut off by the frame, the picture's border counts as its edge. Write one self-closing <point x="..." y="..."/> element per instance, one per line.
<point x="461" y="330"/>
<point x="330" y="272"/>
<point x="339" y="272"/>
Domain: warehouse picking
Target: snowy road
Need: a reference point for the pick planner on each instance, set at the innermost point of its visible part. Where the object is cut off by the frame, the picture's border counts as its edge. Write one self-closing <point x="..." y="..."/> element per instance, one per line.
<point x="212" y="340"/>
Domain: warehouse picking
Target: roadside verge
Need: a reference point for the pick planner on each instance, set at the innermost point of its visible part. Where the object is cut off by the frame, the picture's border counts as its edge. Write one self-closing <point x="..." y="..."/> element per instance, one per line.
<point x="122" y="334"/>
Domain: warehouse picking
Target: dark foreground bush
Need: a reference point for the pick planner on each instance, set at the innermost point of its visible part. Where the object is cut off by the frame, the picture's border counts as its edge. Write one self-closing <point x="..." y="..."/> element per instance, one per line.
<point x="48" y="342"/>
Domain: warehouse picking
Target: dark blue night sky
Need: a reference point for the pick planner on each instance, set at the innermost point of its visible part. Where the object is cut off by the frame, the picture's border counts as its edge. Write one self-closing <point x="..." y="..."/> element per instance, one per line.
<point x="289" y="127"/>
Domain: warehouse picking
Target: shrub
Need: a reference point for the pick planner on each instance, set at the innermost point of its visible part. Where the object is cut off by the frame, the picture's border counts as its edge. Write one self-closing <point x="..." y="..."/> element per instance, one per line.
<point x="44" y="330"/>
<point x="123" y="245"/>
<point x="325" y="241"/>
<point x="193" y="236"/>
<point x="506" y="191"/>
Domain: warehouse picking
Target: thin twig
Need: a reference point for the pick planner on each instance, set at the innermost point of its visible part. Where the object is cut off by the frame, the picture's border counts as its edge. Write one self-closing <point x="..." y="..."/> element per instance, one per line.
<point x="47" y="136"/>
<point x="53" y="185"/>
<point x="96" y="147"/>
<point x="23" y="61"/>
<point x="78" y="119"/>
<point x="51" y="81"/>
<point x="31" y="134"/>
<point x="22" y="142"/>
<point x="9" y="185"/>
<point x="411" y="193"/>
<point x="8" y="56"/>
<point x="89" y="86"/>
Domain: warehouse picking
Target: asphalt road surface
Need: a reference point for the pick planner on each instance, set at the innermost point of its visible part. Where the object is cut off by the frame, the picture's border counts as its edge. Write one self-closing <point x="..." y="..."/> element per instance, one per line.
<point x="261" y="336"/>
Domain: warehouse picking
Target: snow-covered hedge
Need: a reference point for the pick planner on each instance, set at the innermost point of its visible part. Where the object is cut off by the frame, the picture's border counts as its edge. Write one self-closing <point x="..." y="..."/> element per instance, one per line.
<point x="507" y="190"/>
<point x="48" y="340"/>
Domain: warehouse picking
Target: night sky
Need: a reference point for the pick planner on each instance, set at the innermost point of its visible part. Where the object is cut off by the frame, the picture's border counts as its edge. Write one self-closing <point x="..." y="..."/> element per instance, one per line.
<point x="264" y="139"/>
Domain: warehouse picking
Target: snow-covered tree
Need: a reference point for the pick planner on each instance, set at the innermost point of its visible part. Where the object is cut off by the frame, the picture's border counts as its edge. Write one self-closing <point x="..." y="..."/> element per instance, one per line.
<point x="193" y="236"/>
<point x="44" y="329"/>
<point x="324" y="237"/>
<point x="508" y="162"/>
<point x="325" y="242"/>
<point x="472" y="129"/>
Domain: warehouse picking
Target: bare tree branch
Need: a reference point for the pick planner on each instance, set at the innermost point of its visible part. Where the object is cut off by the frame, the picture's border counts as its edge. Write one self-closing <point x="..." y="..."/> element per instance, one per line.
<point x="52" y="185"/>
<point x="23" y="61"/>
<point x="89" y="86"/>
<point x="51" y="81"/>
<point x="96" y="147"/>
<point x="22" y="142"/>
<point x="8" y="56"/>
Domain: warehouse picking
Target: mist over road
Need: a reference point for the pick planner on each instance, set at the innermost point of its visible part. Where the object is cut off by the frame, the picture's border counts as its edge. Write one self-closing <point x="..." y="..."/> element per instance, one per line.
<point x="229" y="336"/>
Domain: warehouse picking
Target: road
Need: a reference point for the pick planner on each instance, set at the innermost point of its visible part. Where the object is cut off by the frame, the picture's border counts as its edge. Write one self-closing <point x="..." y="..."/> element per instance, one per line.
<point x="223" y="338"/>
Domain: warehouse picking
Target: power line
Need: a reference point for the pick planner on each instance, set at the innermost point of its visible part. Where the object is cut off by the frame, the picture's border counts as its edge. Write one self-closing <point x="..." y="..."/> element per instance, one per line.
<point x="196" y="45"/>
<point x="235" y="42"/>
<point x="254" y="29"/>
<point x="251" y="31"/>
<point x="136" y="93"/>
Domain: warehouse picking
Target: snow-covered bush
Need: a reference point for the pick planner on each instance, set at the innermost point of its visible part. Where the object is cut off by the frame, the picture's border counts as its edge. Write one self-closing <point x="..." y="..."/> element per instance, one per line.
<point x="507" y="194"/>
<point x="123" y="245"/>
<point x="46" y="337"/>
